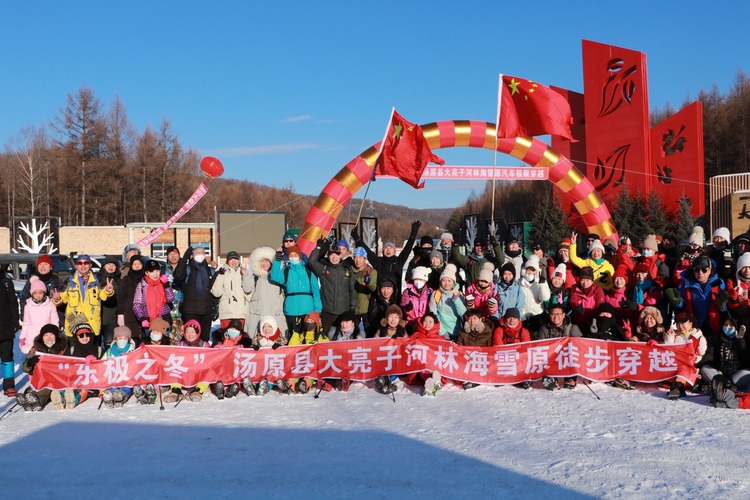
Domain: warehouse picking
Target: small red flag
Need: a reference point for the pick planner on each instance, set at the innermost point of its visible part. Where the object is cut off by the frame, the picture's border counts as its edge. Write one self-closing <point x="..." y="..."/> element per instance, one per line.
<point x="405" y="152"/>
<point x="526" y="108"/>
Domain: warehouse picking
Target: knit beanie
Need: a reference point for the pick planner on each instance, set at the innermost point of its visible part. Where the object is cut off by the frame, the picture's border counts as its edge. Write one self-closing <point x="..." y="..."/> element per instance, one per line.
<point x="449" y="272"/>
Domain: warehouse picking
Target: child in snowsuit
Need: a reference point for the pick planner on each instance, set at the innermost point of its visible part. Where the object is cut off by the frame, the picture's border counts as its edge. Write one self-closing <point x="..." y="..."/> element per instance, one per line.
<point x="191" y="337"/>
<point x="38" y="311"/>
<point x="427" y="328"/>
<point x="269" y="335"/>
<point x="49" y="341"/>
<point x="230" y="337"/>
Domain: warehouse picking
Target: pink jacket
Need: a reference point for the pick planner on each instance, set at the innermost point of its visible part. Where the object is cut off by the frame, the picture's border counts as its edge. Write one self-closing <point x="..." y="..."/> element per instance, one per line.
<point x="413" y="303"/>
<point x="481" y="298"/>
<point x="35" y="316"/>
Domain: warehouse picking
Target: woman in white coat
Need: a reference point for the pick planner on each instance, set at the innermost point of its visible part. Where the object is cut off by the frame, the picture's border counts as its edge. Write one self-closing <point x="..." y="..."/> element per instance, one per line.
<point x="267" y="297"/>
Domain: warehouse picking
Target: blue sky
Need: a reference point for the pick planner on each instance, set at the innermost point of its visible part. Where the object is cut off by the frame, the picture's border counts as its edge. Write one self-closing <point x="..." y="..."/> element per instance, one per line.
<point x="291" y="91"/>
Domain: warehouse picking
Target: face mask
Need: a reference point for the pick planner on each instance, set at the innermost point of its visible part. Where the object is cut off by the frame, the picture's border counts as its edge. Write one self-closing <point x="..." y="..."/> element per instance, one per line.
<point x="232" y="333"/>
<point x="156" y="337"/>
<point x="530" y="277"/>
<point x="122" y="343"/>
<point x="648" y="253"/>
<point x="53" y="343"/>
<point x="729" y="331"/>
<point x="566" y="260"/>
<point x="309" y="327"/>
<point x="513" y="253"/>
<point x="294" y="260"/>
<point x="199" y="258"/>
<point x="445" y="246"/>
<point x="419" y="284"/>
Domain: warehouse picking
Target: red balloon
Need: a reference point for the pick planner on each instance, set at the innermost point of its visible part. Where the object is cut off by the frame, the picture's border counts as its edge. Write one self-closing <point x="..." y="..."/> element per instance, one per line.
<point x="211" y="166"/>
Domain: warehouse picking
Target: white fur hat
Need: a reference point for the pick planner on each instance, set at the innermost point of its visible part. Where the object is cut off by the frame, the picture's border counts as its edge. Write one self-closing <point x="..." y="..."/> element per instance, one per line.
<point x="723" y="232"/>
<point x="532" y="261"/>
<point x="446" y="236"/>
<point x="420" y="273"/>
<point x="270" y="320"/>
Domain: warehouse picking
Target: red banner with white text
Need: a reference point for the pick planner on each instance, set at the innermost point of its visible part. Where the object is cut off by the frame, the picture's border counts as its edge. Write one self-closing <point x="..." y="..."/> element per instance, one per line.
<point x="361" y="360"/>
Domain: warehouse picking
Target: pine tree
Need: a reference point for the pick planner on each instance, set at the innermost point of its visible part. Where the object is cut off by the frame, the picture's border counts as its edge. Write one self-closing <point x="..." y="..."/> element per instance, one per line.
<point x="623" y="213"/>
<point x="549" y="223"/>
<point x="657" y="219"/>
<point x="683" y="220"/>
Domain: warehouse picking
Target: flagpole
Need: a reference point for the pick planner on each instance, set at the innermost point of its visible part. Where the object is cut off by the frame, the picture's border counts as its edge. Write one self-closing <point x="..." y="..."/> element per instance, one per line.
<point x="372" y="175"/>
<point x="494" y="159"/>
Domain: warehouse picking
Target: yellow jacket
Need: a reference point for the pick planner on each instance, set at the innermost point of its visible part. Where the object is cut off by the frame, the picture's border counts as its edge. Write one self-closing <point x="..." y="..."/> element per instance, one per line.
<point x="603" y="273"/>
<point x="90" y="304"/>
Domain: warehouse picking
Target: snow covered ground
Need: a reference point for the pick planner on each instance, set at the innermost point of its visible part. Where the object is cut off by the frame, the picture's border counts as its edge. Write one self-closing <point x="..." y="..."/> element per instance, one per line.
<point x="486" y="442"/>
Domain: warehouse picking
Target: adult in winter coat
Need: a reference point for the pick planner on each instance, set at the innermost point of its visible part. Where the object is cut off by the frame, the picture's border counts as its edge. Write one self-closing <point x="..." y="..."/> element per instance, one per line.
<point x="605" y="325"/>
<point x="510" y="329"/>
<point x="392" y="325"/>
<point x="302" y="292"/>
<point x="482" y="294"/>
<point x="49" y="341"/>
<point x="196" y="278"/>
<point x="558" y="325"/>
<point x="153" y="297"/>
<point x="415" y="300"/>
<point x="720" y="252"/>
<point x="731" y="359"/>
<point x="650" y="326"/>
<point x="232" y="286"/>
<point x="346" y="328"/>
<point x="389" y="264"/>
<point x="268" y="334"/>
<point x="447" y="302"/>
<point x="537" y="293"/>
<point x="109" y="273"/>
<point x="437" y="266"/>
<point x="702" y="294"/>
<point x="476" y="331"/>
<point x="686" y="333"/>
<point x="603" y="270"/>
<point x="473" y="262"/>
<point x="266" y="297"/>
<point x="8" y="326"/>
<point x="83" y="294"/>
<point x="126" y="315"/>
<point x="585" y="298"/>
<point x="338" y="294"/>
<point x="44" y="271"/>
<point x="739" y="291"/>
<point x="38" y="312"/>
<point x="509" y="292"/>
<point x="657" y="269"/>
<point x="380" y="301"/>
<point x="422" y="255"/>
<point x="514" y="255"/>
<point x="365" y="283"/>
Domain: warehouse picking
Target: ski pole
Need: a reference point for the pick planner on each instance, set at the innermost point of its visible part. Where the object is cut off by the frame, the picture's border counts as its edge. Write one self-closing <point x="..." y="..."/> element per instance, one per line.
<point x="100" y="404"/>
<point x="317" y="394"/>
<point x="10" y="410"/>
<point x="160" y="400"/>
<point x="592" y="390"/>
<point x="179" y="400"/>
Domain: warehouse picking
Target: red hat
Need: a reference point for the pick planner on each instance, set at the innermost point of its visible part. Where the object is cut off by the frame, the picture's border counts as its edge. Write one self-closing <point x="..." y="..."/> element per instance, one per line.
<point x="44" y="258"/>
<point x="313" y="316"/>
<point x="642" y="267"/>
<point x="621" y="272"/>
<point x="565" y="243"/>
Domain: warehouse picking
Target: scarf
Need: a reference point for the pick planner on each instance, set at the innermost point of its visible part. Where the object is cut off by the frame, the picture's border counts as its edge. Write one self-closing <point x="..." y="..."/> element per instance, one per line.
<point x="155" y="297"/>
<point x="728" y="362"/>
<point x="639" y="289"/>
<point x="116" y="351"/>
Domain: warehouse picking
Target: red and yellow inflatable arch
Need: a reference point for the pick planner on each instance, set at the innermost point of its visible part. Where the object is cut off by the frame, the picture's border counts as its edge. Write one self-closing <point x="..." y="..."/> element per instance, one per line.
<point x="454" y="133"/>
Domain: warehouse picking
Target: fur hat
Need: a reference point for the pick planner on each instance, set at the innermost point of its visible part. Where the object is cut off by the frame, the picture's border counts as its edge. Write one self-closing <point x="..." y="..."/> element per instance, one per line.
<point x="586" y="272"/>
<point x="394" y="309"/>
<point x="723" y="232"/>
<point x="193" y="323"/>
<point x="449" y="272"/>
<point x="44" y="259"/>
<point x="258" y="256"/>
<point x="562" y="271"/>
<point x="596" y="244"/>
<point x="533" y="262"/>
<point x="485" y="275"/>
<point x="123" y="331"/>
<point x="650" y="243"/>
<point x="267" y="320"/>
<point x="420" y="273"/>
<point x="696" y="237"/>
<point x="37" y="285"/>
<point x="446" y="236"/>
<point x="653" y="312"/>
<point x="508" y="266"/>
<point x="159" y="325"/>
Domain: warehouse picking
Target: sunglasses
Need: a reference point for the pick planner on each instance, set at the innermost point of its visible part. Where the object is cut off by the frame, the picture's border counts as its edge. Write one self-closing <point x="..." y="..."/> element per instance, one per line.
<point x="701" y="269"/>
<point x="83" y="263"/>
<point x="481" y="245"/>
<point x="288" y="241"/>
<point x="83" y="334"/>
<point x="537" y="248"/>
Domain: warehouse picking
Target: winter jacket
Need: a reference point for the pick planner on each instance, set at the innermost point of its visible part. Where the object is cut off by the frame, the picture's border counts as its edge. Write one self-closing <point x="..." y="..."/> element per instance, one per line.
<point x="260" y="339"/>
<point x="449" y="307"/>
<point x="301" y="286"/>
<point x="388" y="266"/>
<point x="700" y="300"/>
<point x="233" y="290"/>
<point x="50" y="281"/>
<point x="335" y="333"/>
<point x="504" y="334"/>
<point x="606" y="329"/>
<point x="421" y="333"/>
<point x="338" y="294"/>
<point x="557" y="296"/>
<point x="376" y="311"/>
<point x="39" y="348"/>
<point x="536" y="294"/>
<point x="694" y="336"/>
<point x="109" y="305"/>
<point x="266" y="297"/>
<point x="570" y="272"/>
<point x="78" y="350"/>
<point x="510" y="295"/>
<point x="89" y="302"/>
<point x="472" y="263"/>
<point x="550" y="331"/>
<point x="196" y="282"/>
<point x="482" y="297"/>
<point x="125" y="301"/>
<point x="365" y="284"/>
<point x="584" y="303"/>
<point x="8" y="310"/>
<point x="603" y="271"/>
<point x="728" y="355"/>
<point x="140" y="306"/>
<point x="35" y="317"/>
<point x="481" y="336"/>
<point x="415" y="303"/>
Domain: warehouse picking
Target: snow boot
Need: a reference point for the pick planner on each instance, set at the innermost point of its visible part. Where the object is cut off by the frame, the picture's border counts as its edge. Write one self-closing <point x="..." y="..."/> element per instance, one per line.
<point x="173" y="395"/>
<point x="570" y="383"/>
<point x="9" y="383"/>
<point x="263" y="387"/>
<point x="302" y="386"/>
<point x="550" y="383"/>
<point x="32" y="401"/>
<point x="622" y="384"/>
<point x="140" y="394"/>
<point x="151" y="394"/>
<point x="108" y="399"/>
<point x="526" y="385"/>
<point x="233" y="390"/>
<point x="283" y="386"/>
<point x="70" y="399"/>
<point x="248" y="387"/>
<point x="469" y="385"/>
<point x="383" y="385"/>
<point x="219" y="389"/>
<point x="676" y="391"/>
<point x="429" y="387"/>
<point x="195" y="396"/>
<point x="57" y="400"/>
<point x="119" y="398"/>
<point x="22" y="402"/>
<point x="345" y="384"/>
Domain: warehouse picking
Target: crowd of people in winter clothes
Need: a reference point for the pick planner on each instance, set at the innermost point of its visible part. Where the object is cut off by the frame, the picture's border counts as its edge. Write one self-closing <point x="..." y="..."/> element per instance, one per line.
<point x="658" y="291"/>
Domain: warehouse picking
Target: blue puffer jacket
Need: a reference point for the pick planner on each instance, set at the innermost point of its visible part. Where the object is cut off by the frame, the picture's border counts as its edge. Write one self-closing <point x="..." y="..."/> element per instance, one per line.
<point x="302" y="290"/>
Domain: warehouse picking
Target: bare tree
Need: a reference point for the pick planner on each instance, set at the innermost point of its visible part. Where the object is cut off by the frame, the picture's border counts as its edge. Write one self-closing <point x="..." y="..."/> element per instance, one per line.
<point x="27" y="152"/>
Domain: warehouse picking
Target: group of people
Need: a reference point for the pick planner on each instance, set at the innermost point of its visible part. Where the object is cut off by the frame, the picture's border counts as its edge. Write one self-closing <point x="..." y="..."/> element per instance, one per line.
<point x="661" y="291"/>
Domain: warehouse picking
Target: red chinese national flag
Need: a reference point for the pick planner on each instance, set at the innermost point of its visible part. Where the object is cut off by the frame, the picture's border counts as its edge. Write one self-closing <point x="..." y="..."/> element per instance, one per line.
<point x="526" y="108"/>
<point x="405" y="152"/>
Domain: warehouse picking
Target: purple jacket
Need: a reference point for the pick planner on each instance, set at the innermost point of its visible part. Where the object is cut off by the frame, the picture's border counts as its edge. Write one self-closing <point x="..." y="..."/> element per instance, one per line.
<point x="140" y="308"/>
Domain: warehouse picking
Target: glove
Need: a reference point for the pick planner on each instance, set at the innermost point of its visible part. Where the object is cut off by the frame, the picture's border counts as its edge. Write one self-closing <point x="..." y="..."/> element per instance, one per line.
<point x="188" y="253"/>
<point x="164" y="279"/>
<point x="145" y="323"/>
<point x="580" y="310"/>
<point x="633" y="306"/>
<point x="32" y="361"/>
<point x="222" y="270"/>
<point x="275" y="346"/>
<point x="88" y="359"/>
<point x="415" y="228"/>
<point x="652" y="343"/>
<point x="360" y="288"/>
<point x="408" y="307"/>
<point x="355" y="234"/>
<point x="722" y="298"/>
<point x="673" y="296"/>
<point x="120" y="320"/>
<point x="279" y="255"/>
<point x="469" y="301"/>
<point x="256" y="346"/>
<point x="492" y="303"/>
<point x="741" y="332"/>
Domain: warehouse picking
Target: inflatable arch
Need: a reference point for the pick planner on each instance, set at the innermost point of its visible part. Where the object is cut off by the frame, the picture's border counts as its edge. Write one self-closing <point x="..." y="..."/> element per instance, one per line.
<point x="454" y="133"/>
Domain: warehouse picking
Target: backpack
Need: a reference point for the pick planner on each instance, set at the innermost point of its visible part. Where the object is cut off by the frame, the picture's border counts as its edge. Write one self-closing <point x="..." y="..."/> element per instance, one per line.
<point x="286" y="278"/>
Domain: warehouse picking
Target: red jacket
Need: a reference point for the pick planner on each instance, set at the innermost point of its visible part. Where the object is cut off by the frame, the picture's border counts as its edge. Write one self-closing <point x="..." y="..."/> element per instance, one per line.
<point x="503" y="334"/>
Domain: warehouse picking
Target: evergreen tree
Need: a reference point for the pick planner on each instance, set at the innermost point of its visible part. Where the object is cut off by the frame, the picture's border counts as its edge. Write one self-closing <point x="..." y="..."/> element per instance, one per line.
<point x="683" y="220"/>
<point x="657" y="218"/>
<point x="549" y="222"/>
<point x="622" y="214"/>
